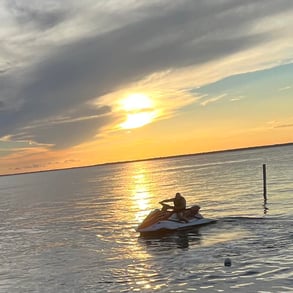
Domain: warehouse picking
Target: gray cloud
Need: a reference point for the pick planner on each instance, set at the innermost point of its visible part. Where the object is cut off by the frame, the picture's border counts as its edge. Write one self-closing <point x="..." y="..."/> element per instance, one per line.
<point x="163" y="37"/>
<point x="41" y="15"/>
<point x="65" y="134"/>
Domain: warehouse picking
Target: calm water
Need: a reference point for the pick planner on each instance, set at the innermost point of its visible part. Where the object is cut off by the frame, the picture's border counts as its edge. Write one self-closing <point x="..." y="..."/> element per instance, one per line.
<point x="74" y="230"/>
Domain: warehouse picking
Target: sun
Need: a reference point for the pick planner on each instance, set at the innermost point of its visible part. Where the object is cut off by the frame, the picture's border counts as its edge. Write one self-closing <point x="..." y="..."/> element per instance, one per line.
<point x="139" y="110"/>
<point x="137" y="120"/>
<point x="136" y="102"/>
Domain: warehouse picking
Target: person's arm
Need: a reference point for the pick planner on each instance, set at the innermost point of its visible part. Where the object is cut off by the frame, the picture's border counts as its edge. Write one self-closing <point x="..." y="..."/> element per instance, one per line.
<point x="167" y="200"/>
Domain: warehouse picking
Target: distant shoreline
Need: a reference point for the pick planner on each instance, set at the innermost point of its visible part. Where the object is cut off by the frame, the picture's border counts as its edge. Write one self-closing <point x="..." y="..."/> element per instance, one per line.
<point x="153" y="159"/>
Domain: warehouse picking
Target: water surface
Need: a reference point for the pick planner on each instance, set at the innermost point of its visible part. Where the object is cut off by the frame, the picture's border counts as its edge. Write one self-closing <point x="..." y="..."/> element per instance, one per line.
<point x="74" y="230"/>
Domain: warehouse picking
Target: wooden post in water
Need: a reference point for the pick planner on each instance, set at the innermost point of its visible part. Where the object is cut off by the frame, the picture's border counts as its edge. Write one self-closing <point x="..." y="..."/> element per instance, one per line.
<point x="264" y="173"/>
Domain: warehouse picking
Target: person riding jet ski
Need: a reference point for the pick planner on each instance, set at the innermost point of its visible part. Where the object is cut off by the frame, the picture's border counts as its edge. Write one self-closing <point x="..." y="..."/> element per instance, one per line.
<point x="179" y="206"/>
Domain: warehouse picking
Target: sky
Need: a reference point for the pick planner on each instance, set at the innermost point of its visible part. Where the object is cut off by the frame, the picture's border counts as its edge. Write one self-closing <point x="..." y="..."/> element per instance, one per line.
<point x="90" y="82"/>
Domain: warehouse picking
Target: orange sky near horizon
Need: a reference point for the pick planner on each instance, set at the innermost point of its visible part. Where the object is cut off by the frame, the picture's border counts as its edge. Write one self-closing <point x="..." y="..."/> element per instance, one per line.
<point x="188" y="78"/>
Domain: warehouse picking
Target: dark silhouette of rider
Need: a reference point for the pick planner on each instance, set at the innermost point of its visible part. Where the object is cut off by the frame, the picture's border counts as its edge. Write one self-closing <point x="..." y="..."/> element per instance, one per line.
<point x="179" y="206"/>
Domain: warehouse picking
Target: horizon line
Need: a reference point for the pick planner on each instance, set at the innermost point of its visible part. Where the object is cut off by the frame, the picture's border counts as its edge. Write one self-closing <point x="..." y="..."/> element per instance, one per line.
<point x="150" y="159"/>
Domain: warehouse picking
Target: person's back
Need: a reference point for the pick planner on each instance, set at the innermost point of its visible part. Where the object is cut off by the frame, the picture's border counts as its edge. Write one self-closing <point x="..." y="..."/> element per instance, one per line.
<point x="179" y="206"/>
<point x="179" y="202"/>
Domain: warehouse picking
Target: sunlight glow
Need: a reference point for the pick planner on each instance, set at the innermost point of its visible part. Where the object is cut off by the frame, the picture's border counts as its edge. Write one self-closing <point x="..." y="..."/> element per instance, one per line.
<point x="137" y="120"/>
<point x="136" y="102"/>
<point x="139" y="109"/>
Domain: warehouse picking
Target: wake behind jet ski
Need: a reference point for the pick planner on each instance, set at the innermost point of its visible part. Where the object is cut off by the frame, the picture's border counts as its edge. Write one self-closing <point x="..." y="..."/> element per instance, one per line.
<point x="174" y="219"/>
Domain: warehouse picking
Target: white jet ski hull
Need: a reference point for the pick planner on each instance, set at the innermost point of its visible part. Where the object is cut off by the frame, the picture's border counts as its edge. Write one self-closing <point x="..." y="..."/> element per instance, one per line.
<point x="172" y="225"/>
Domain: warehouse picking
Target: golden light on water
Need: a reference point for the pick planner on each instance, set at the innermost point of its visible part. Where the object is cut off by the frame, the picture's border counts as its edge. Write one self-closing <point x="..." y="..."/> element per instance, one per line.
<point x="141" y="199"/>
<point x="141" y="195"/>
<point x="138" y="186"/>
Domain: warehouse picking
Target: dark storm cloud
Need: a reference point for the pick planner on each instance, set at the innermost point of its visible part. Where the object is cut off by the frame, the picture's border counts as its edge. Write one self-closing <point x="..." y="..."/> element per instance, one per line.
<point x="66" y="78"/>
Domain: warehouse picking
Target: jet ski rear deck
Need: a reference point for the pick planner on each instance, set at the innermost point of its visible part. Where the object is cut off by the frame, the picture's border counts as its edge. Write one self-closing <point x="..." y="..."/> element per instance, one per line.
<point x="159" y="220"/>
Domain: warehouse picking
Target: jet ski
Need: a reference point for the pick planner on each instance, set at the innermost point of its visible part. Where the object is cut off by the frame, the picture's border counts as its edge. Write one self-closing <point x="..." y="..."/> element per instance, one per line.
<point x="163" y="220"/>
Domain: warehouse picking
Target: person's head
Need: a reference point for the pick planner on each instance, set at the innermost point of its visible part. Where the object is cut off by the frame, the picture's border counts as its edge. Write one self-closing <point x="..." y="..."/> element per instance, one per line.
<point x="177" y="195"/>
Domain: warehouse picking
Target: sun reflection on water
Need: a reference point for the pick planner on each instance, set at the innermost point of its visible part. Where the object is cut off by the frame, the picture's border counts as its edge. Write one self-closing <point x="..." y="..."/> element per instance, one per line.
<point x="140" y="193"/>
<point x="140" y="200"/>
<point x="139" y="188"/>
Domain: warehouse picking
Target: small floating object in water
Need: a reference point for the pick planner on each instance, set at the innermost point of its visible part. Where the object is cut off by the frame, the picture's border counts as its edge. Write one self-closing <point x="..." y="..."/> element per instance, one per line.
<point x="227" y="262"/>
